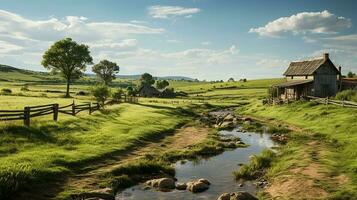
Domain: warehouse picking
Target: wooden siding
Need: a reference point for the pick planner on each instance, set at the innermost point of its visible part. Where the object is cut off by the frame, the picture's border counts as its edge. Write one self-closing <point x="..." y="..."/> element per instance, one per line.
<point x="325" y="80"/>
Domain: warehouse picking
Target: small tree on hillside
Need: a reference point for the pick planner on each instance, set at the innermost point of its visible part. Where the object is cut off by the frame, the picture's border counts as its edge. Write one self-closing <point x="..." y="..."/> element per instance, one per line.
<point x="117" y="95"/>
<point x="350" y="74"/>
<point x="68" y="58"/>
<point x="162" y="84"/>
<point x="106" y="71"/>
<point x="147" y="79"/>
<point x="131" y="91"/>
<point x="101" y="94"/>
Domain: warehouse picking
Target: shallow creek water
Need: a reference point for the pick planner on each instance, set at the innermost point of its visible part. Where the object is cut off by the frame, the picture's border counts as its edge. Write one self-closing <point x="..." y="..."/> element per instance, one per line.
<point x="217" y="169"/>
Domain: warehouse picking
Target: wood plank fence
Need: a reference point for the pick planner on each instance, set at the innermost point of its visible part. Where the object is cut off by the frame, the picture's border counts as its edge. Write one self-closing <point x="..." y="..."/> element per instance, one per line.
<point x="327" y="101"/>
<point x="50" y="109"/>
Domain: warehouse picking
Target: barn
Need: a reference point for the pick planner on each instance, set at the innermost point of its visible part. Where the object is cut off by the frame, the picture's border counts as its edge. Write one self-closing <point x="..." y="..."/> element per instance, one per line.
<point x="148" y="91"/>
<point x="318" y="77"/>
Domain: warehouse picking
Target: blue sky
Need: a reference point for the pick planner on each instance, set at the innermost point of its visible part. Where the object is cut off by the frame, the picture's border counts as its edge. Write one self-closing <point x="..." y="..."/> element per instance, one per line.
<point x="205" y="39"/>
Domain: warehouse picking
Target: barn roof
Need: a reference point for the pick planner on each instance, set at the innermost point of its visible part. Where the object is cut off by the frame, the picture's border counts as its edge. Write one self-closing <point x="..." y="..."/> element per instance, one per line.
<point x="293" y="83"/>
<point x="304" y="67"/>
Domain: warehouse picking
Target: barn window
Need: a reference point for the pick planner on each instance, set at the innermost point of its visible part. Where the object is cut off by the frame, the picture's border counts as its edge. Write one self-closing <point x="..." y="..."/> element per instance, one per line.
<point x="305" y="77"/>
<point x="292" y="77"/>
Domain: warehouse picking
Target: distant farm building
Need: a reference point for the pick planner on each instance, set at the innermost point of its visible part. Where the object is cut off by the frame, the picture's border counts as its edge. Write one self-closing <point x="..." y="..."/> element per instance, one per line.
<point x="148" y="91"/>
<point x="319" y="78"/>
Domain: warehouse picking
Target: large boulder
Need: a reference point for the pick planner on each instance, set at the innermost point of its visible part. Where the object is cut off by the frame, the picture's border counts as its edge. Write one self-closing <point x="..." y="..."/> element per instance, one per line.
<point x="242" y="196"/>
<point x="227" y="124"/>
<point x="162" y="183"/>
<point x="199" y="185"/>
<point x="224" y="196"/>
<point x="229" y="118"/>
<point x="237" y="196"/>
<point x="181" y="186"/>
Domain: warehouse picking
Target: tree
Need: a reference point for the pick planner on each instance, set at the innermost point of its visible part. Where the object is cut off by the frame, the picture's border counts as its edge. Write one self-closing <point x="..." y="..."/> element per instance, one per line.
<point x="68" y="58"/>
<point x="101" y="94"/>
<point x="162" y="84"/>
<point x="131" y="91"/>
<point x="117" y="95"/>
<point x="231" y="80"/>
<point x="106" y="71"/>
<point x="147" y="79"/>
<point x="350" y="74"/>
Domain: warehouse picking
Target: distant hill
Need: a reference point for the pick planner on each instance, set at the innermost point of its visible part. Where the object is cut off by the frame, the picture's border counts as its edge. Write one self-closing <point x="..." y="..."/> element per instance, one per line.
<point x="136" y="77"/>
<point x="9" y="73"/>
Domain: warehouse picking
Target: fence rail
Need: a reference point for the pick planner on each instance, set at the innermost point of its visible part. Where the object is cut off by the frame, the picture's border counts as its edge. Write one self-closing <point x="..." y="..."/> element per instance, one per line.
<point x="50" y="109"/>
<point x="53" y="109"/>
<point x="327" y="101"/>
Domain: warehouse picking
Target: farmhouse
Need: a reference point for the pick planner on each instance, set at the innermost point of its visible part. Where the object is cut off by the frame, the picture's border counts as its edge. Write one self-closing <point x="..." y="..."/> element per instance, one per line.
<point x="317" y="77"/>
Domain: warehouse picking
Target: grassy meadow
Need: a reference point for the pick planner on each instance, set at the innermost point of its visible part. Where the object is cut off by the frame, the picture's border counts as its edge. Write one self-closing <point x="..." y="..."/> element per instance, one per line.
<point x="326" y="134"/>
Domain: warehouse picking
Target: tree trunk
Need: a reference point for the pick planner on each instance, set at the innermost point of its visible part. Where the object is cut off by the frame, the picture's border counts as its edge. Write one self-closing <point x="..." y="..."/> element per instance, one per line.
<point x="67" y="92"/>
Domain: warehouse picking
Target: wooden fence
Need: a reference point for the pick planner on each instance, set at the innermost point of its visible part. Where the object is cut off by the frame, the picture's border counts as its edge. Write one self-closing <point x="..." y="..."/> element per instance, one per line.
<point x="50" y="109"/>
<point x="334" y="102"/>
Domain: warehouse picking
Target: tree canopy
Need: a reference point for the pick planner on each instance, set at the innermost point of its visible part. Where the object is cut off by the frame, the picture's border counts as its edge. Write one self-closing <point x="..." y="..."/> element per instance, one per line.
<point x="68" y="58"/>
<point x="350" y="74"/>
<point x="162" y="84"/>
<point x="147" y="79"/>
<point x="106" y="71"/>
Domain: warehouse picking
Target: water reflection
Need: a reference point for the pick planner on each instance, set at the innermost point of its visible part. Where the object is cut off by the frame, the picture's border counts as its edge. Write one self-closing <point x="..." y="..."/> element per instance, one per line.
<point x="217" y="169"/>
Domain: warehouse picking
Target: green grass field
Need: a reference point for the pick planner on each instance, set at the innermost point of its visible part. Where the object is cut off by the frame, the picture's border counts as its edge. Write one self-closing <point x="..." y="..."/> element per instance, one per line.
<point x="48" y="149"/>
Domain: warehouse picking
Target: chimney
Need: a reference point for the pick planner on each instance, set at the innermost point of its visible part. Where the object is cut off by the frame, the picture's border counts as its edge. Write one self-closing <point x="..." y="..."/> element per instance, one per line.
<point x="325" y="56"/>
<point x="340" y="70"/>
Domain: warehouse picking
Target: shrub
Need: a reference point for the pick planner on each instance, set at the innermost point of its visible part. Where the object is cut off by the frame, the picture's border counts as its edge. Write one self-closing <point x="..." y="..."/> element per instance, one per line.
<point x="81" y="93"/>
<point x="25" y="88"/>
<point x="6" y="91"/>
<point x="117" y="95"/>
<point x="257" y="164"/>
<point x="347" y="95"/>
<point x="101" y="93"/>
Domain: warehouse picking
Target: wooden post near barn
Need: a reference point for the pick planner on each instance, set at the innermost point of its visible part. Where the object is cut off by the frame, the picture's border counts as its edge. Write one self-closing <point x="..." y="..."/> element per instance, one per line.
<point x="27" y="116"/>
<point x="55" y="112"/>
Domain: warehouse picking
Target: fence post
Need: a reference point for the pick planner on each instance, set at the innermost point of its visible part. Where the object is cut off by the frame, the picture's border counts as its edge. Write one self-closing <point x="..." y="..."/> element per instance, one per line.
<point x="125" y="98"/>
<point x="27" y="116"/>
<point x="73" y="109"/>
<point x="343" y="103"/>
<point x="55" y="112"/>
<point x="327" y="100"/>
<point x="90" y="107"/>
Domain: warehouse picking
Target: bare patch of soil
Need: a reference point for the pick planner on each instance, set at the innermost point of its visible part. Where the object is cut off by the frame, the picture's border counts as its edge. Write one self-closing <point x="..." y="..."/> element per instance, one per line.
<point x="183" y="137"/>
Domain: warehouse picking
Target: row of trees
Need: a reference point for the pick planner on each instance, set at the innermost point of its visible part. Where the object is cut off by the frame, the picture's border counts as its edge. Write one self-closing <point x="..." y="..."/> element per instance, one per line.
<point x="69" y="59"/>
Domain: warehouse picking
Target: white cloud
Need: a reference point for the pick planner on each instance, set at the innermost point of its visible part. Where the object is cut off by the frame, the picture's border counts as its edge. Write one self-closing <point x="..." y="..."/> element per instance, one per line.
<point x="306" y="22"/>
<point x="165" y="12"/>
<point x="173" y="41"/>
<point x="206" y="43"/>
<point x="272" y="63"/>
<point x="21" y="36"/>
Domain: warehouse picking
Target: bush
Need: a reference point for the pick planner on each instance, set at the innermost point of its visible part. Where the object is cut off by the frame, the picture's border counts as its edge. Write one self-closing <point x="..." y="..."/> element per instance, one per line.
<point x="117" y="95"/>
<point x="101" y="94"/>
<point x="6" y="91"/>
<point x="257" y="164"/>
<point x="81" y="93"/>
<point x="25" y="88"/>
<point x="347" y="95"/>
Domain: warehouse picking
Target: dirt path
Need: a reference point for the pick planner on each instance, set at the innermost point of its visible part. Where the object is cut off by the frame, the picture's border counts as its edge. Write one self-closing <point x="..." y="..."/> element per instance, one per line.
<point x="309" y="177"/>
<point x="182" y="138"/>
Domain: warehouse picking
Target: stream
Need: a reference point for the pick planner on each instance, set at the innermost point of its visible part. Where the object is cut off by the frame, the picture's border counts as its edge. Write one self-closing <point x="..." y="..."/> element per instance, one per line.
<point x="217" y="169"/>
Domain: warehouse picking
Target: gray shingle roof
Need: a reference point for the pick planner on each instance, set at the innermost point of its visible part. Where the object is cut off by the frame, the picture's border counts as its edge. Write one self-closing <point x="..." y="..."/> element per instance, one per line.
<point x="292" y="83"/>
<point x="303" y="67"/>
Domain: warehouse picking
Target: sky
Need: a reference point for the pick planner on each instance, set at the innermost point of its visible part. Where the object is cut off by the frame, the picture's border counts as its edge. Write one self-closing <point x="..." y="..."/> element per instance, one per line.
<point x="204" y="39"/>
